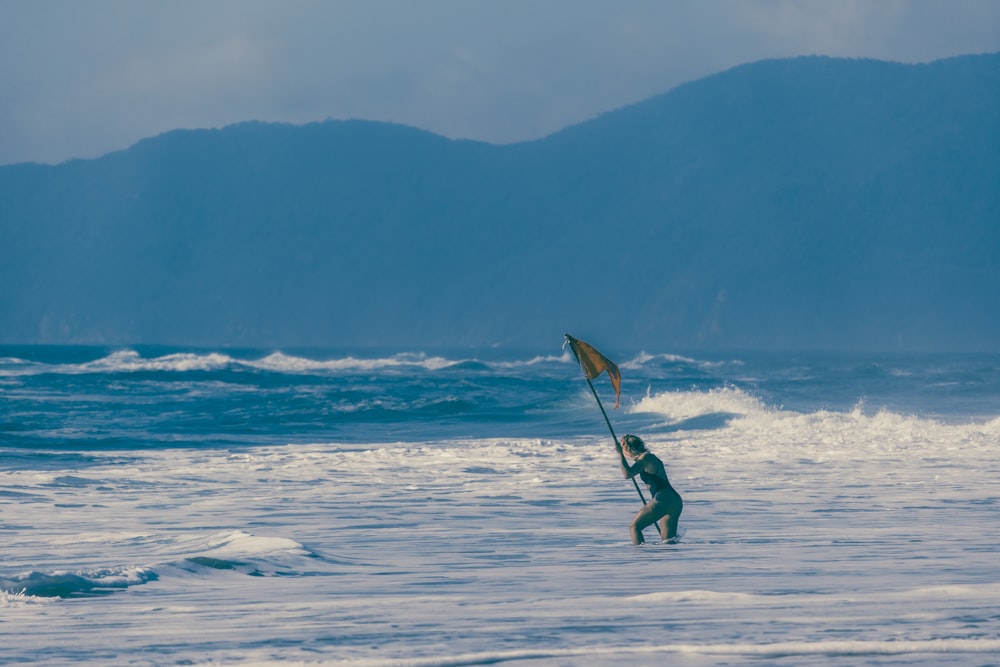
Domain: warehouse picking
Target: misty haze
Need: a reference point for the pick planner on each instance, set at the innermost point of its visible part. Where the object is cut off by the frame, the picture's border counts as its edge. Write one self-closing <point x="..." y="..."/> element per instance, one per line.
<point x="803" y="203"/>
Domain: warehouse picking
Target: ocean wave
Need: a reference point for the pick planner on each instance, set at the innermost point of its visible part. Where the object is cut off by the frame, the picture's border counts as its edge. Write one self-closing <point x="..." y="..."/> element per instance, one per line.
<point x="740" y="405"/>
<point x="756" y="651"/>
<point x="240" y="544"/>
<point x="250" y="554"/>
<point x="65" y="584"/>
<point x="20" y="598"/>
<point x="678" y="406"/>
<point x="730" y="422"/>
<point x="644" y="359"/>
<point x="982" y="592"/>
<point x="120" y="361"/>
<point x="234" y="551"/>
<point x="279" y="362"/>
<point x="131" y="361"/>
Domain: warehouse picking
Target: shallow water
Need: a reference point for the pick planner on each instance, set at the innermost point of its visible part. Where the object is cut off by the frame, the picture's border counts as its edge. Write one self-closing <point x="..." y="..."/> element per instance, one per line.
<point x="186" y="507"/>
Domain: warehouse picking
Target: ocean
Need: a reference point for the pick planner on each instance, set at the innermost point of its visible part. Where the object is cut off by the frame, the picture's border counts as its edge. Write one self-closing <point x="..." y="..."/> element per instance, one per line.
<point x="163" y="506"/>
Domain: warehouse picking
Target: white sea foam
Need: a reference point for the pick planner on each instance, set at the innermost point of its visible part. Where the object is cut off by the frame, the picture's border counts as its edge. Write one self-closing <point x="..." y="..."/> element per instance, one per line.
<point x="564" y="358"/>
<point x="20" y="597"/>
<point x="644" y="359"/>
<point x="956" y="649"/>
<point x="284" y="363"/>
<point x="131" y="361"/>
<point x="120" y="361"/>
<point x="70" y="584"/>
<point x="442" y="552"/>
<point x="678" y="406"/>
<point x="813" y="538"/>
<point x="240" y="544"/>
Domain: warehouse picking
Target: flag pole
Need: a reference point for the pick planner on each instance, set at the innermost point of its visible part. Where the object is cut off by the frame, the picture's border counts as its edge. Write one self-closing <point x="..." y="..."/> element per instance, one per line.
<point x="603" y="413"/>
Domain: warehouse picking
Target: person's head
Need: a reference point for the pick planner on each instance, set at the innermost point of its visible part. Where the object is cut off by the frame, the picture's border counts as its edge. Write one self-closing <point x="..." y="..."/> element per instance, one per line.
<point x="633" y="445"/>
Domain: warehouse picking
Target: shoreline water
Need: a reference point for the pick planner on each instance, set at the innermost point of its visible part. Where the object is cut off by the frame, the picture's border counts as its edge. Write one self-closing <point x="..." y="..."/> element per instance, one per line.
<point x="408" y="511"/>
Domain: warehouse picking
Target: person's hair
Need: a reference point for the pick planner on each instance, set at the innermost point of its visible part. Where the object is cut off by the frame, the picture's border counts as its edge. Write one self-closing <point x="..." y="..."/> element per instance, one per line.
<point x="634" y="443"/>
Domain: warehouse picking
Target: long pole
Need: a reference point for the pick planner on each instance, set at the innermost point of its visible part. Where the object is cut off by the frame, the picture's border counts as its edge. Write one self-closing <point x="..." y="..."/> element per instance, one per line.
<point x="613" y="436"/>
<point x="606" y="421"/>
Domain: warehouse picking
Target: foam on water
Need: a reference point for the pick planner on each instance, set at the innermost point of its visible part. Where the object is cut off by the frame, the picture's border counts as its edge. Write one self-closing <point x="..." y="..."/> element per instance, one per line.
<point x="784" y="651"/>
<point x="182" y="556"/>
<point x="813" y="537"/>
<point x="644" y="359"/>
<point x="409" y="543"/>
<point x="131" y="361"/>
<point x="678" y="406"/>
<point x="283" y="363"/>
<point x="753" y="427"/>
<point x="73" y="584"/>
<point x="121" y="361"/>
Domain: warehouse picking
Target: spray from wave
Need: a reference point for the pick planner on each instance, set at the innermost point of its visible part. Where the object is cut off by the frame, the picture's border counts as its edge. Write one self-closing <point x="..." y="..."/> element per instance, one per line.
<point x="131" y="361"/>
<point x="678" y="406"/>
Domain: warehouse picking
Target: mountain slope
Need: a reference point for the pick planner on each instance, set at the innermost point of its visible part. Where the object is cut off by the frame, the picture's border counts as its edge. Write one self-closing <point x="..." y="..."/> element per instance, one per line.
<point x="801" y="203"/>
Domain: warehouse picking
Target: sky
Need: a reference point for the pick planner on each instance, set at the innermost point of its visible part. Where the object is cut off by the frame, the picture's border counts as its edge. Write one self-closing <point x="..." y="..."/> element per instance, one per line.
<point x="80" y="78"/>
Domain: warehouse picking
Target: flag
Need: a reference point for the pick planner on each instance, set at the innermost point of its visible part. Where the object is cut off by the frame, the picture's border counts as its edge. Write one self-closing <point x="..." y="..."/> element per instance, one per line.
<point x="594" y="363"/>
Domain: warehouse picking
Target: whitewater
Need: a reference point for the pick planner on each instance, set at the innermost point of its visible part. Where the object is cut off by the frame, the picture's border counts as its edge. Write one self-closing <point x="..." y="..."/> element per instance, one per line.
<point x="312" y="507"/>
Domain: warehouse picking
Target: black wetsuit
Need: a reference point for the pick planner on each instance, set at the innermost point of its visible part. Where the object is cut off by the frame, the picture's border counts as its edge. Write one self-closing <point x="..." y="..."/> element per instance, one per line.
<point x="655" y="482"/>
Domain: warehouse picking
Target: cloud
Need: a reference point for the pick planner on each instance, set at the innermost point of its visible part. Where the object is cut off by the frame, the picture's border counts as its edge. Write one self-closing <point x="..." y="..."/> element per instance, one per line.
<point x="225" y="66"/>
<point x="822" y="28"/>
<point x="80" y="79"/>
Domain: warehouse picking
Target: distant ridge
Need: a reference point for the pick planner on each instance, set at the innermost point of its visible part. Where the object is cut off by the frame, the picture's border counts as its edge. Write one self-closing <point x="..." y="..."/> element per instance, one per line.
<point x="785" y="204"/>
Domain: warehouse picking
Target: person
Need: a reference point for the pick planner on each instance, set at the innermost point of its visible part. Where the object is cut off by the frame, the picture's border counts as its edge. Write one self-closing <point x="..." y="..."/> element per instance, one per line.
<point x="665" y="505"/>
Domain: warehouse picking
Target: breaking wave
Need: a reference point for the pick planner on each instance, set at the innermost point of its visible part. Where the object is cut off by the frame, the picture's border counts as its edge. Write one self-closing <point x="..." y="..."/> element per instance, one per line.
<point x="233" y="551"/>
<point x="131" y="361"/>
<point x="777" y="650"/>
<point x="85" y="583"/>
<point x="678" y="406"/>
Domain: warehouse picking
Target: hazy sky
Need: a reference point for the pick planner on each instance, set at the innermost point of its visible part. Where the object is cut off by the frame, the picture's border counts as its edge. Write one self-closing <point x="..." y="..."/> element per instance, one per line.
<point x="79" y="78"/>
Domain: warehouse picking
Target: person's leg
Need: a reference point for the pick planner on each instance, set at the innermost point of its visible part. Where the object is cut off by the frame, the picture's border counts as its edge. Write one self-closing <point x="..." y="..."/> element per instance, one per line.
<point x="644" y="518"/>
<point x="668" y="525"/>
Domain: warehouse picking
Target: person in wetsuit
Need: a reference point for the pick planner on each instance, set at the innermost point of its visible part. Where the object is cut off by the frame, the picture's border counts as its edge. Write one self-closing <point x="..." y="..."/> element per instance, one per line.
<point x="666" y="504"/>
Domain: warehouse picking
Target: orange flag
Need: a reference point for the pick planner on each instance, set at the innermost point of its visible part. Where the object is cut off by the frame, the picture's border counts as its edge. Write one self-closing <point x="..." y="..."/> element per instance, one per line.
<point x="594" y="363"/>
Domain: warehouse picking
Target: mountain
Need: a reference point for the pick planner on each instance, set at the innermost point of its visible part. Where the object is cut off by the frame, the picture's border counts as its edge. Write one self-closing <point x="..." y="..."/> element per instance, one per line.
<point x="787" y="204"/>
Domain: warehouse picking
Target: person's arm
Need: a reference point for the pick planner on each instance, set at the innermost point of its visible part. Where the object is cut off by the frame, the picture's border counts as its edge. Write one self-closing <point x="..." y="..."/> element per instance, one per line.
<point x="629" y="471"/>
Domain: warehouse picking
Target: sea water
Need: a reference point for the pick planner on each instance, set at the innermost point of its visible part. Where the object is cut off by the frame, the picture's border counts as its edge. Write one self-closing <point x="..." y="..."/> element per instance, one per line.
<point x="256" y="507"/>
